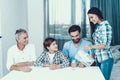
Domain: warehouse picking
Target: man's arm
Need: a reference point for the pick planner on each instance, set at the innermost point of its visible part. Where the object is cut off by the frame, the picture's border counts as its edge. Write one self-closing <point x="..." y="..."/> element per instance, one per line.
<point x="65" y="51"/>
<point x="23" y="64"/>
<point x="18" y="68"/>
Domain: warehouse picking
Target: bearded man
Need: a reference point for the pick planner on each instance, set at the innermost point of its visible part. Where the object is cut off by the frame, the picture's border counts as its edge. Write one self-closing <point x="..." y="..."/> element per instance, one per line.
<point x="71" y="48"/>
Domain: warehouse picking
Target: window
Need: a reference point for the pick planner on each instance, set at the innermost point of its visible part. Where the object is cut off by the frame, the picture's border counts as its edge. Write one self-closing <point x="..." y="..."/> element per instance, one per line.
<point x="61" y="14"/>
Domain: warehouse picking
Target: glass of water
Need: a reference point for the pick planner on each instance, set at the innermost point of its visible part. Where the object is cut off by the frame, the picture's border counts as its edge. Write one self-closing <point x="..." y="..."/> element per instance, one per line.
<point x="73" y="64"/>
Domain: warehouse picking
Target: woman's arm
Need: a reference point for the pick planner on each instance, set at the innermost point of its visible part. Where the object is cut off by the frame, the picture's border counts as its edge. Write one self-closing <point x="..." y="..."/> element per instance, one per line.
<point x="89" y="39"/>
<point x="98" y="46"/>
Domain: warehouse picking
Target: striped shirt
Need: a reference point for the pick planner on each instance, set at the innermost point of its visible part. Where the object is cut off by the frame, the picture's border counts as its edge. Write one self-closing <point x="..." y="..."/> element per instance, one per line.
<point x="103" y="35"/>
<point x="58" y="58"/>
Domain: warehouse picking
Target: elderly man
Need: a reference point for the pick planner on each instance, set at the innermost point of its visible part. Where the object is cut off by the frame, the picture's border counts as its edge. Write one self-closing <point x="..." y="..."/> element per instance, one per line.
<point x="22" y="55"/>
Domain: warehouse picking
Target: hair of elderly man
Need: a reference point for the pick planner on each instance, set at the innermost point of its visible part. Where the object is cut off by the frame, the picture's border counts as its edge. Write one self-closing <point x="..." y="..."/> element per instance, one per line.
<point x="18" y="33"/>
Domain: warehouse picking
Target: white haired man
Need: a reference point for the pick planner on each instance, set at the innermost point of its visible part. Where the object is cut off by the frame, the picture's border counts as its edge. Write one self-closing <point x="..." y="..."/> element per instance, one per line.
<point x="22" y="55"/>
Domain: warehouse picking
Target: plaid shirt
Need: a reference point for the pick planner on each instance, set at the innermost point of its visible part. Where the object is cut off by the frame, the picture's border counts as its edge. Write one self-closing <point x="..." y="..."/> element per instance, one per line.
<point x="103" y="35"/>
<point x="58" y="58"/>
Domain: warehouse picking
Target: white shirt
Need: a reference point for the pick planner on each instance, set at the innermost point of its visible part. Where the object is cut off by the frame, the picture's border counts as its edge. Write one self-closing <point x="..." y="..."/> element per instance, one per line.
<point x="51" y="57"/>
<point x="15" y="55"/>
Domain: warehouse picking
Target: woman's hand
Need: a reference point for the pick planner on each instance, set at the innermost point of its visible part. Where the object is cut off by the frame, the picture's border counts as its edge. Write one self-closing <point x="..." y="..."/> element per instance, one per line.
<point x="88" y="47"/>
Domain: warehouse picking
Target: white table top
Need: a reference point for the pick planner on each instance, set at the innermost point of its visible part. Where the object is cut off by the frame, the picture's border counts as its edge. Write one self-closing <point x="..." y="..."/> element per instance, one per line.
<point x="38" y="73"/>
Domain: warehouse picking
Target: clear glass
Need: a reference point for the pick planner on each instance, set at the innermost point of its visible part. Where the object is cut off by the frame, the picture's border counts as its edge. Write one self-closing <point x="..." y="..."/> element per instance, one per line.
<point x="73" y="64"/>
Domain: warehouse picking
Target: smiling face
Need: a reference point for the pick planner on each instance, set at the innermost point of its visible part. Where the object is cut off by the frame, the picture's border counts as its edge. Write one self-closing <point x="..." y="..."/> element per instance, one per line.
<point x="75" y="36"/>
<point x="53" y="47"/>
<point x="94" y="18"/>
<point x="23" y="39"/>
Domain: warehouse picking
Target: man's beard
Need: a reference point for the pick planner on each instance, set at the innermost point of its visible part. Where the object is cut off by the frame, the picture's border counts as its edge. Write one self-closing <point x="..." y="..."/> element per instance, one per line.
<point x="76" y="40"/>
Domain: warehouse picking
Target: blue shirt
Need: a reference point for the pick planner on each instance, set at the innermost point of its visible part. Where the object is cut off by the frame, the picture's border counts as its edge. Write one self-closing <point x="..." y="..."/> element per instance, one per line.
<point x="70" y="50"/>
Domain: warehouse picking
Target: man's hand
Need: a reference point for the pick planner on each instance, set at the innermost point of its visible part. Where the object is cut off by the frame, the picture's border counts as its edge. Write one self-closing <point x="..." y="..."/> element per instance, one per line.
<point x="25" y="69"/>
<point x="19" y="68"/>
<point x="81" y="65"/>
<point x="23" y="64"/>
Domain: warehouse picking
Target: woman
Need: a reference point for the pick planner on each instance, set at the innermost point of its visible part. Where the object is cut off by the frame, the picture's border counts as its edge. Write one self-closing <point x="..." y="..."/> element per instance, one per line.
<point x="51" y="57"/>
<point x="102" y="40"/>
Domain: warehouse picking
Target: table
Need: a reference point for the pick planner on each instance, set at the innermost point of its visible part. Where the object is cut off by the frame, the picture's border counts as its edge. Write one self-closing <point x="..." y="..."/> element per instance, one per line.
<point x="39" y="73"/>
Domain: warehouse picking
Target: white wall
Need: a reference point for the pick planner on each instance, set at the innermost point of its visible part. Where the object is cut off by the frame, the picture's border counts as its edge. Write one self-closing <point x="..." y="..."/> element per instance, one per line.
<point x="35" y="23"/>
<point x="1" y="67"/>
<point x="27" y="14"/>
<point x="13" y="16"/>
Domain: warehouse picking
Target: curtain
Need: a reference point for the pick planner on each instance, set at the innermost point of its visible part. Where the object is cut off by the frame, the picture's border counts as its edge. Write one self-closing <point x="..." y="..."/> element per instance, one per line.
<point x="59" y="15"/>
<point x="111" y="11"/>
